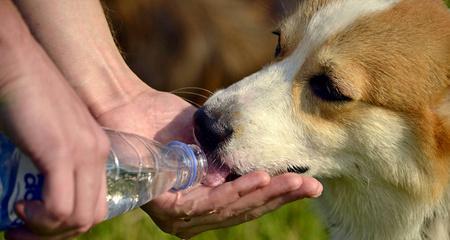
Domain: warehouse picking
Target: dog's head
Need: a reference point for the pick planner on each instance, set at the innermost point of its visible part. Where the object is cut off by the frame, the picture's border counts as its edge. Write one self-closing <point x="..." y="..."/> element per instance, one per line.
<point x="358" y="89"/>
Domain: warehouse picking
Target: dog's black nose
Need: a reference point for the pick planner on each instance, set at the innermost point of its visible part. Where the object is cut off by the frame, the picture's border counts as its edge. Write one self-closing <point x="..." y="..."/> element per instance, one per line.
<point x="210" y="130"/>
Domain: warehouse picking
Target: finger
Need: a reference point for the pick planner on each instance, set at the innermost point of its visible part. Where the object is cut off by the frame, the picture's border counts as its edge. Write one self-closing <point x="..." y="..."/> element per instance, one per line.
<point x="201" y="199"/>
<point x="278" y="187"/>
<point x="305" y="191"/>
<point x="281" y="187"/>
<point x="44" y="217"/>
<point x="229" y="192"/>
<point x="191" y="228"/>
<point x="223" y="195"/>
<point x="102" y="208"/>
<point x="87" y="187"/>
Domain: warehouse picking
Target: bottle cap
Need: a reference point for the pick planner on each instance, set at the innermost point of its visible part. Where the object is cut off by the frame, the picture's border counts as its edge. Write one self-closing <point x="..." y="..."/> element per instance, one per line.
<point x="195" y="160"/>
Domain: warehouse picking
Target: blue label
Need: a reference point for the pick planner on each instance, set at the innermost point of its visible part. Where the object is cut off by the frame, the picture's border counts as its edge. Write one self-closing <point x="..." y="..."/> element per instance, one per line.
<point x="33" y="186"/>
<point x="8" y="171"/>
<point x="20" y="180"/>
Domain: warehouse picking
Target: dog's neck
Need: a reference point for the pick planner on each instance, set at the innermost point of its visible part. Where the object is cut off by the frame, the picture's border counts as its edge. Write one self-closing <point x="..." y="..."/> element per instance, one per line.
<point x="377" y="210"/>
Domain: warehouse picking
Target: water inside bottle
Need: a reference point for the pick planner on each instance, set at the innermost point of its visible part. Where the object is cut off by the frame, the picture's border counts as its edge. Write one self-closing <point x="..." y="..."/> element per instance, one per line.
<point x="130" y="186"/>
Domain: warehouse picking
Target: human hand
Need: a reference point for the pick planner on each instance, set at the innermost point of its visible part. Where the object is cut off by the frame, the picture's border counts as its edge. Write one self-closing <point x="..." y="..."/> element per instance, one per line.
<point x="186" y="214"/>
<point x="165" y="117"/>
<point x="44" y="116"/>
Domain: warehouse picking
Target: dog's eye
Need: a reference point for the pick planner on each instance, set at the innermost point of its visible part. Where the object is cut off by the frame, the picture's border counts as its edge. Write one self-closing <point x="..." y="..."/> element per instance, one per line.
<point x="324" y="87"/>
<point x="298" y="169"/>
<point x="278" y="49"/>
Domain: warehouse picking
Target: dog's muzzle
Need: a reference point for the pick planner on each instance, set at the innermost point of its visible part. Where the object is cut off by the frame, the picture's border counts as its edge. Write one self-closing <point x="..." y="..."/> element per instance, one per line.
<point x="210" y="130"/>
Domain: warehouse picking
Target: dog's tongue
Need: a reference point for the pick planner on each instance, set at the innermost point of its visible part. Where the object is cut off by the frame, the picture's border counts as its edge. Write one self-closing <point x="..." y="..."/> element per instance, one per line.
<point x="216" y="175"/>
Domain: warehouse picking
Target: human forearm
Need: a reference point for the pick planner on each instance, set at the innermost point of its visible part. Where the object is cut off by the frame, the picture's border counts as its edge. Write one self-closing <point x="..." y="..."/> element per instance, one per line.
<point x="47" y="120"/>
<point x="76" y="36"/>
<point x="15" y="38"/>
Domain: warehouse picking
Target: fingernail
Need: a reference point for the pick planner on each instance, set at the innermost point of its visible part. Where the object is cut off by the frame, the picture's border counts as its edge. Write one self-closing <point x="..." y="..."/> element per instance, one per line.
<point x="319" y="189"/>
<point x="21" y="209"/>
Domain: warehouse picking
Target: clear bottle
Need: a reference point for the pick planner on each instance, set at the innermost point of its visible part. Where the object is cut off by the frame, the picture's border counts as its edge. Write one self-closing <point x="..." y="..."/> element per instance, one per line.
<point x="137" y="169"/>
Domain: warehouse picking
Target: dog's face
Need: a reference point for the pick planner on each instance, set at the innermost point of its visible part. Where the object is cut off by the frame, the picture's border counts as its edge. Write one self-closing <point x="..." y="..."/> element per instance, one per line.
<point x="354" y="92"/>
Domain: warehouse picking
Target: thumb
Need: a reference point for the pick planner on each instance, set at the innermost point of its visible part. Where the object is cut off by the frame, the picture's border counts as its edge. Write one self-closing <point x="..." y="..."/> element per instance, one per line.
<point x="31" y="213"/>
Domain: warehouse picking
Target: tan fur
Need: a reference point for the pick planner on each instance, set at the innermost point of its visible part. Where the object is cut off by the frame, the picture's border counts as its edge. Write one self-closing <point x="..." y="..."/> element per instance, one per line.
<point x="384" y="156"/>
<point x="404" y="82"/>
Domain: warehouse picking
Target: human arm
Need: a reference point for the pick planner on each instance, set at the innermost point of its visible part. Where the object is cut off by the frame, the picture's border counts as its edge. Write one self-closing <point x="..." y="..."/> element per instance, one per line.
<point x="127" y="104"/>
<point x="45" y="117"/>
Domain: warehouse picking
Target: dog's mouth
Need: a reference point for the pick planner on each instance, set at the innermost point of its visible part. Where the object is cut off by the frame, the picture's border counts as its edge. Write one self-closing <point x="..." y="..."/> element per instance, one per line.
<point x="217" y="174"/>
<point x="218" y="171"/>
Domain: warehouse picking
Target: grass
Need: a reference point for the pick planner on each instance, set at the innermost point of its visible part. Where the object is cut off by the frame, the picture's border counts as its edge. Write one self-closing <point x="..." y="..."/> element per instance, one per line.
<point x="295" y="221"/>
<point x="292" y="222"/>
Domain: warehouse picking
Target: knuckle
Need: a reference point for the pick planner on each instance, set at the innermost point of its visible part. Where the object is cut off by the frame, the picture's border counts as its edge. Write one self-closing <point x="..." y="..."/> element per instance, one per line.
<point x="103" y="147"/>
<point x="232" y="187"/>
<point x="83" y="229"/>
<point x="82" y="221"/>
<point x="252" y="215"/>
<point x="63" y="150"/>
<point x="91" y="147"/>
<point x="59" y="213"/>
<point x="97" y="145"/>
<point x="226" y="214"/>
<point x="88" y="141"/>
<point x="292" y="183"/>
<point x="265" y="178"/>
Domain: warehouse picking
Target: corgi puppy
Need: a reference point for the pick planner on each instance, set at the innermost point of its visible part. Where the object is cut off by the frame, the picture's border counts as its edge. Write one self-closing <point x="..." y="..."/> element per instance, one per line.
<point x="358" y="96"/>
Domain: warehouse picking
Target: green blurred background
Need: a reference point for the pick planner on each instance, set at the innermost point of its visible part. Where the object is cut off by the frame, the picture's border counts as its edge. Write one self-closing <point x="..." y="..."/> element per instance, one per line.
<point x="293" y="221"/>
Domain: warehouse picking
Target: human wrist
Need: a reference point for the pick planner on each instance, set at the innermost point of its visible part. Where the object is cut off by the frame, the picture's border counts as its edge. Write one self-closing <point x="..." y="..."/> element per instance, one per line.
<point x="15" y="36"/>
<point x="104" y="83"/>
<point x="17" y="45"/>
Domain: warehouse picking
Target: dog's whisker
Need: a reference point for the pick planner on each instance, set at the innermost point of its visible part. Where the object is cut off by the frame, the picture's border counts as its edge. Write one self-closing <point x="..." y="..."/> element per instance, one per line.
<point x="193" y="88"/>
<point x="191" y="93"/>
<point x="191" y="102"/>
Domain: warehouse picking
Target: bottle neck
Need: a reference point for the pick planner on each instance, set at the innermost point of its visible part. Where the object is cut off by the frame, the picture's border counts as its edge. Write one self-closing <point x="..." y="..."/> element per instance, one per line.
<point x="192" y="165"/>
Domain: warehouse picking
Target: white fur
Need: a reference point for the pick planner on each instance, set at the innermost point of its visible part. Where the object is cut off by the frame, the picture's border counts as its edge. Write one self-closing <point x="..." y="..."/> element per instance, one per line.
<point x="269" y="134"/>
<point x="266" y="111"/>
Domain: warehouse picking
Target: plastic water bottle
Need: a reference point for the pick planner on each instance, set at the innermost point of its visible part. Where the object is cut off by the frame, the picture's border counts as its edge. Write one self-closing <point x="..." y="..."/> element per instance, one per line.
<point x="137" y="170"/>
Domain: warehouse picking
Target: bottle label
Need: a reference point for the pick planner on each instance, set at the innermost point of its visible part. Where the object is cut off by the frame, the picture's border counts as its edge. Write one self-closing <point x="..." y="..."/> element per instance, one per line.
<point x="20" y="180"/>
